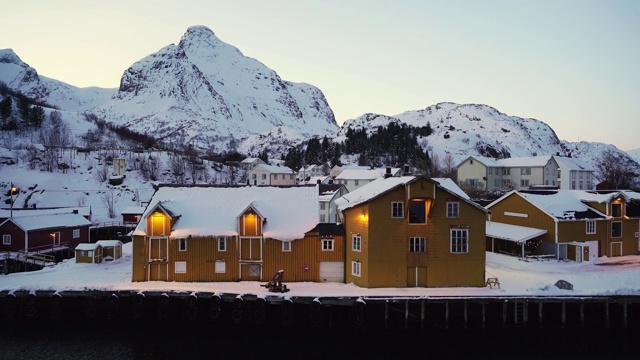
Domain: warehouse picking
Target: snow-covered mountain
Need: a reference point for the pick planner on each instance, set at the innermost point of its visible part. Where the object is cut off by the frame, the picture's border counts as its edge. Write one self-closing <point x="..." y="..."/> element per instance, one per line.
<point x="206" y="92"/>
<point x="19" y="76"/>
<point x="635" y="154"/>
<point x="474" y="129"/>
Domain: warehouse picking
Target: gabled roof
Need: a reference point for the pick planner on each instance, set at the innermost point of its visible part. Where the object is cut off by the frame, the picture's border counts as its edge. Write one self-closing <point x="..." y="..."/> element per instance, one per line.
<point x="273" y="169"/>
<point x="133" y="210"/>
<point x="250" y="160"/>
<point x="365" y="174"/>
<point x="87" y="246"/>
<point x="382" y="186"/>
<point x="109" y="243"/>
<point x="522" y="161"/>
<point x="213" y="211"/>
<point x="55" y="221"/>
<point x="518" y="234"/>
<point x="82" y="210"/>
<point x="572" y="163"/>
<point x="558" y="204"/>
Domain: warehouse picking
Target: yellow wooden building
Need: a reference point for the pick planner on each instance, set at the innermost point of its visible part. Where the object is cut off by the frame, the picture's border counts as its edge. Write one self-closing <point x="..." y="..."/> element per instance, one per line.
<point x="413" y="231"/>
<point x="574" y="224"/>
<point x="244" y="233"/>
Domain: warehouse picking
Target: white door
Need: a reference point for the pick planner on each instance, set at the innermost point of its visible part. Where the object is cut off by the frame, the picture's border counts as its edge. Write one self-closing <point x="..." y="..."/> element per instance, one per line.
<point x="332" y="271"/>
<point x="578" y="253"/>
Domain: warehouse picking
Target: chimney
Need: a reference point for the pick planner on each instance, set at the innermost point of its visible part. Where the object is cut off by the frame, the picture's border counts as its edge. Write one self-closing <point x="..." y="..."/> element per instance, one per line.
<point x="75" y="211"/>
<point x="387" y="174"/>
<point x="318" y="182"/>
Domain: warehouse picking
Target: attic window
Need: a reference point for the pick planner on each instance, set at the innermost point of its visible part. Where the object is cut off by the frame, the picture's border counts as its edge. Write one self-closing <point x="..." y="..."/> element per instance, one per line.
<point x="418" y="212"/>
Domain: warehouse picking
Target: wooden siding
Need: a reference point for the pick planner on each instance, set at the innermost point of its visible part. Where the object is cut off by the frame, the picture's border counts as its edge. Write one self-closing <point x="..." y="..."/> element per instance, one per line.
<point x="97" y="256"/>
<point x="535" y="218"/>
<point x="41" y="237"/>
<point x="385" y="258"/>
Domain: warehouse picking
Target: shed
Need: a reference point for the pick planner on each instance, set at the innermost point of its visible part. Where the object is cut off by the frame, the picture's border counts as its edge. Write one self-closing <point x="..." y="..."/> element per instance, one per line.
<point x="112" y="249"/>
<point x="88" y="253"/>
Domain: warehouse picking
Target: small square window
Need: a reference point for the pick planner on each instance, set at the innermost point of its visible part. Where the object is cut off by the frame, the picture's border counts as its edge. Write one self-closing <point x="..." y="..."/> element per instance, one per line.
<point x="327" y="244"/>
<point x="453" y="209"/>
<point x="417" y="244"/>
<point x="591" y="226"/>
<point x="181" y="267"/>
<point x="286" y="246"/>
<point x="222" y="243"/>
<point x="6" y="239"/>
<point x="76" y="233"/>
<point x="397" y="209"/>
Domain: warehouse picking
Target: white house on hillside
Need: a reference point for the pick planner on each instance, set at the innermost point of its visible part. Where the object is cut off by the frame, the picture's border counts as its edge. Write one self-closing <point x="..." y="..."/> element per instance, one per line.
<point x="328" y="193"/>
<point x="513" y="173"/>
<point x="574" y="174"/>
<point x="249" y="163"/>
<point x="263" y="174"/>
<point x="356" y="178"/>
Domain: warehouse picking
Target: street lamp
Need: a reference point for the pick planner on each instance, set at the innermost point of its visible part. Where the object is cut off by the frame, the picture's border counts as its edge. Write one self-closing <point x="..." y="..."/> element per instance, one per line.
<point x="11" y="191"/>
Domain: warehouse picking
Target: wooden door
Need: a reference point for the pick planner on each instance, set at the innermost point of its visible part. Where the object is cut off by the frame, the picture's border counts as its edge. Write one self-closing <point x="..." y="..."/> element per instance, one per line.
<point x="158" y="259"/>
<point x="416" y="276"/>
<point x="251" y="249"/>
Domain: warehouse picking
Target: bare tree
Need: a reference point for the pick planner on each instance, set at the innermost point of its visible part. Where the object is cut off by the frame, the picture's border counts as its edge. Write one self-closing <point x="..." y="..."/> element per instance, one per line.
<point x="449" y="167"/>
<point x="177" y="166"/>
<point x="614" y="169"/>
<point x="109" y="201"/>
<point x="102" y="172"/>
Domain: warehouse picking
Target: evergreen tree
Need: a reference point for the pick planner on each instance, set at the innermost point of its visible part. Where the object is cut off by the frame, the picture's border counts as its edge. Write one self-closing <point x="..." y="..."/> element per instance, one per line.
<point x="24" y="109"/>
<point x="36" y="116"/>
<point x="6" y="109"/>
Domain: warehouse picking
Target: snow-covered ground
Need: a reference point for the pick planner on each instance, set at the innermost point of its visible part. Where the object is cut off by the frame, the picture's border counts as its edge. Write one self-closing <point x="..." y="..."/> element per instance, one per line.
<point x="605" y="276"/>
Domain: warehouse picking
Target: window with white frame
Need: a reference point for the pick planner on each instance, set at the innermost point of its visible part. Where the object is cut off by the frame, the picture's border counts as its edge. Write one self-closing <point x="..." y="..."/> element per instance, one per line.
<point x="286" y="246"/>
<point x="525" y="171"/>
<point x="264" y="176"/>
<point x="490" y="171"/>
<point x="524" y="182"/>
<point x="327" y="244"/>
<point x="459" y="241"/>
<point x="397" y="209"/>
<point x="616" y="229"/>
<point x="506" y="171"/>
<point x="222" y="243"/>
<point x="181" y="267"/>
<point x="323" y="205"/>
<point x="417" y="244"/>
<point x="356" y="242"/>
<point x="591" y="226"/>
<point x="182" y="244"/>
<point x="253" y="176"/>
<point x="323" y="218"/>
<point x="221" y="267"/>
<point x="356" y="182"/>
<point x="76" y="233"/>
<point x="6" y="239"/>
<point x="356" y="268"/>
<point x="453" y="209"/>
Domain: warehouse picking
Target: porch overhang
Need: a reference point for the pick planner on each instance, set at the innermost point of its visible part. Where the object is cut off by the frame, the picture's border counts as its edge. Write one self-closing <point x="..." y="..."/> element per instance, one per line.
<point x="514" y="233"/>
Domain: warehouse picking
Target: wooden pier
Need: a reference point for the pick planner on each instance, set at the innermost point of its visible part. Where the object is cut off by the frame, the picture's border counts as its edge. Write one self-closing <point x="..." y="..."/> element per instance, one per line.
<point x="508" y="312"/>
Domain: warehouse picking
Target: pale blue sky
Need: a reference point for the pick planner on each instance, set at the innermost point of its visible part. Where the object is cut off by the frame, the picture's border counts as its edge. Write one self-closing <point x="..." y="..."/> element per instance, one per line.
<point x="573" y="64"/>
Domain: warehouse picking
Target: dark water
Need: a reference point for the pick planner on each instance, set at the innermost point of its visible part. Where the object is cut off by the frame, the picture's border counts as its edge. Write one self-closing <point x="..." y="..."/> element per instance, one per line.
<point x="130" y="340"/>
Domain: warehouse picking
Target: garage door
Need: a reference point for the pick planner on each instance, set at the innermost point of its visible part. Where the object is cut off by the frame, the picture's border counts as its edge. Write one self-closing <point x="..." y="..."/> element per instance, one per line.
<point x="332" y="271"/>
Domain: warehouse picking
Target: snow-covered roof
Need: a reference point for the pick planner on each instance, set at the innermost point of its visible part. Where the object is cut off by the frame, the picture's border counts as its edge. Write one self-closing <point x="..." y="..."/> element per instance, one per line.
<point x="204" y="211"/>
<point x="250" y="160"/>
<point x="561" y="204"/>
<point x="273" y="169"/>
<point x="524" y="161"/>
<point x="513" y="233"/>
<point x="38" y="222"/>
<point x="87" y="246"/>
<point x="133" y="210"/>
<point x="371" y="191"/>
<point x="109" y="243"/>
<point x="450" y="185"/>
<point x="314" y="180"/>
<point x="364" y="174"/>
<point x="572" y="163"/>
<point x="82" y="210"/>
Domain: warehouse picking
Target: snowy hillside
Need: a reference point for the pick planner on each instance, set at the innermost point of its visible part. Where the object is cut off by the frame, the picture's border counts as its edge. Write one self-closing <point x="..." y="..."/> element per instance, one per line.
<point x="205" y="92"/>
<point x="19" y="76"/>
<point x="474" y="129"/>
<point x="635" y="154"/>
